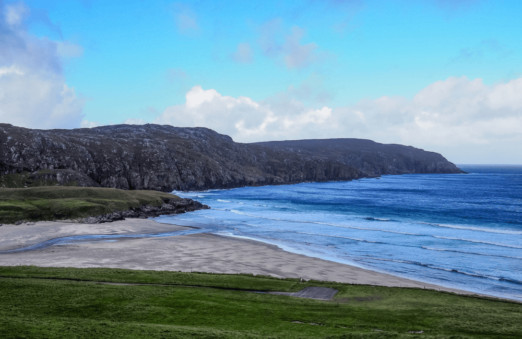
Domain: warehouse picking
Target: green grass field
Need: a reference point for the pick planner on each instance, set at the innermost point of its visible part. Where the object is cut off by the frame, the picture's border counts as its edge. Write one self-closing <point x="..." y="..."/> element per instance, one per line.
<point x="73" y="303"/>
<point x="64" y="202"/>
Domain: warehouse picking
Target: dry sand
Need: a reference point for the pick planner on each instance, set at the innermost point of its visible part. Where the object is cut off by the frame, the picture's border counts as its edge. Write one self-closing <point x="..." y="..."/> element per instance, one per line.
<point x="187" y="253"/>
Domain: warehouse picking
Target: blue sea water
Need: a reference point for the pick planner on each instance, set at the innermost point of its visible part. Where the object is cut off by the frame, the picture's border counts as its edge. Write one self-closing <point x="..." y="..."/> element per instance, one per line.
<point x="455" y="230"/>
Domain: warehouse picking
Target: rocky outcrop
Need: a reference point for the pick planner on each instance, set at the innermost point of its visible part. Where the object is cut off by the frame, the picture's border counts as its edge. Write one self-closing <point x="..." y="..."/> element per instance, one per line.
<point x="170" y="158"/>
<point x="171" y="206"/>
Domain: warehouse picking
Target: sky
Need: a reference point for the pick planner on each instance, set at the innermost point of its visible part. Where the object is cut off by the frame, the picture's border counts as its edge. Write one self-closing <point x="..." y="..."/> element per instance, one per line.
<point x="441" y="75"/>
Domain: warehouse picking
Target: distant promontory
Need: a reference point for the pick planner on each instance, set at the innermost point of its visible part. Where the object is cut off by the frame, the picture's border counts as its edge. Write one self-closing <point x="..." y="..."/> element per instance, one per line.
<point x="166" y="158"/>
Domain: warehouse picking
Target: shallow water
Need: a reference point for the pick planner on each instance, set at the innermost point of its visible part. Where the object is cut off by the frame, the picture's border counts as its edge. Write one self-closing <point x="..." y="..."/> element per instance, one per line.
<point x="73" y="239"/>
<point x="456" y="230"/>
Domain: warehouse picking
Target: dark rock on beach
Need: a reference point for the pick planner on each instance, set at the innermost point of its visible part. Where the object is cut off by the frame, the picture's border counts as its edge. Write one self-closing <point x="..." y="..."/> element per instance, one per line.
<point x="171" y="206"/>
<point x="167" y="158"/>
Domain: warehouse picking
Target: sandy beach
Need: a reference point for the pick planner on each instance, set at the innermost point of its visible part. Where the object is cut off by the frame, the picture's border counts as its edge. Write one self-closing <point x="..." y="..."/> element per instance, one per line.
<point x="188" y="253"/>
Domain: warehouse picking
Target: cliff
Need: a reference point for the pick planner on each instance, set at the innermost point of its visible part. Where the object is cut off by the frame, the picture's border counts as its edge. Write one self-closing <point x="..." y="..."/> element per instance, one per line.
<point x="369" y="157"/>
<point x="170" y="158"/>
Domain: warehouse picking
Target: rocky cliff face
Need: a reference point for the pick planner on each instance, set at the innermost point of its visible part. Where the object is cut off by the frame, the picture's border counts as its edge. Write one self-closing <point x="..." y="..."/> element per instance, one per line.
<point x="170" y="158"/>
<point x="369" y="157"/>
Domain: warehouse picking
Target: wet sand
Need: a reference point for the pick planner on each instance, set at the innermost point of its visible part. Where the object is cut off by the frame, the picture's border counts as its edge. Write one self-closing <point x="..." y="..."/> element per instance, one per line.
<point x="187" y="253"/>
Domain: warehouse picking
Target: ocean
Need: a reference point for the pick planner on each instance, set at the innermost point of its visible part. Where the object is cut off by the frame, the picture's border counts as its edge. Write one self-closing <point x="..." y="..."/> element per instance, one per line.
<point x="456" y="230"/>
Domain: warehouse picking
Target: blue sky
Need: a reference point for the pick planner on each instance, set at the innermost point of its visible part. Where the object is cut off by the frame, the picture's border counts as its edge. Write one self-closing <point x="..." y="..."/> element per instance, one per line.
<point x="443" y="75"/>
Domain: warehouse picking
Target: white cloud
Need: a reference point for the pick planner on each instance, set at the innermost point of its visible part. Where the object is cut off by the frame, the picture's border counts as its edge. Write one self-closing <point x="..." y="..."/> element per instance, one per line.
<point x="176" y="75"/>
<point x="33" y="92"/>
<point x="507" y="97"/>
<point x="485" y="51"/>
<point x="15" y="14"/>
<point x="89" y="124"/>
<point x="292" y="52"/>
<point x="243" y="118"/>
<point x="298" y="55"/>
<point x="466" y="120"/>
<point x="33" y="100"/>
<point x="209" y="108"/>
<point x="186" y="22"/>
<point x="243" y="53"/>
<point x="4" y="71"/>
<point x="269" y="37"/>
<point x="185" y="19"/>
<point x="66" y="49"/>
<point x="135" y="122"/>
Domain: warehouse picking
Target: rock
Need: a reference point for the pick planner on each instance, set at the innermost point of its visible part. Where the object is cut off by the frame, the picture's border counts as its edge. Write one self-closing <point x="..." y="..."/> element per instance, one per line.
<point x="172" y="206"/>
<point x="167" y="158"/>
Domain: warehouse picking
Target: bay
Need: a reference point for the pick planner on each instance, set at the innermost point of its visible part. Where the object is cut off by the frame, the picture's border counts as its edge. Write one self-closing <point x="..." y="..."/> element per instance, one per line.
<point x="455" y="230"/>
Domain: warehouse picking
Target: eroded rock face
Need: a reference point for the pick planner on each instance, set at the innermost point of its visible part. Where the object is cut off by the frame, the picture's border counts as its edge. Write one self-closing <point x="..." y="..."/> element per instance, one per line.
<point x="170" y="158"/>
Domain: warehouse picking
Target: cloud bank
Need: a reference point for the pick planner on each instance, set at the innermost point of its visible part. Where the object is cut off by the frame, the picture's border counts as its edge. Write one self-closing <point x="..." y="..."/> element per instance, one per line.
<point x="33" y="92"/>
<point x="460" y="117"/>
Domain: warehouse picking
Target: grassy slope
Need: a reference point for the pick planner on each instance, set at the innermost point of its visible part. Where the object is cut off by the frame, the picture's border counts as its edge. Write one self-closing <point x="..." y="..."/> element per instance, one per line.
<point x="53" y="302"/>
<point x="60" y="202"/>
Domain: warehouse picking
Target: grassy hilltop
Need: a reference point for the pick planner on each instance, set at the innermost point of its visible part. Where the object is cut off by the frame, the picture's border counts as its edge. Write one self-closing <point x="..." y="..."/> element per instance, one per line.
<point x="61" y="202"/>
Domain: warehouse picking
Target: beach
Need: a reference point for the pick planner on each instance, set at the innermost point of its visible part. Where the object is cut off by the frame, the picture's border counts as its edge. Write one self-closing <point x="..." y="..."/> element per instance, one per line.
<point x="200" y="252"/>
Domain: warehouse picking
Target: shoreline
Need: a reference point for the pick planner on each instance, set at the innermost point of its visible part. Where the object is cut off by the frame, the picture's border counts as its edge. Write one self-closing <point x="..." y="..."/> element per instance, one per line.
<point x="201" y="252"/>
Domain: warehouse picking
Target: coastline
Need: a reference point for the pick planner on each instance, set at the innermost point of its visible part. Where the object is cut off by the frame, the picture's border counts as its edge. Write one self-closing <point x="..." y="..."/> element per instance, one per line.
<point x="200" y="252"/>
